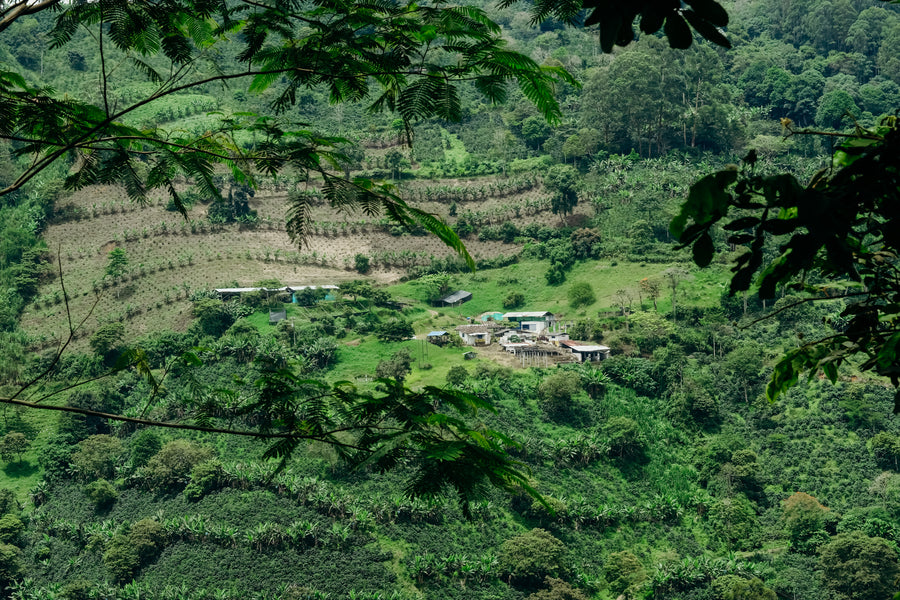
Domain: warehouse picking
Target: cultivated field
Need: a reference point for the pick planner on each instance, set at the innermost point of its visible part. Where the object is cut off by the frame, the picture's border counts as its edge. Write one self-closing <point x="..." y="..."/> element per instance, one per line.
<point x="169" y="256"/>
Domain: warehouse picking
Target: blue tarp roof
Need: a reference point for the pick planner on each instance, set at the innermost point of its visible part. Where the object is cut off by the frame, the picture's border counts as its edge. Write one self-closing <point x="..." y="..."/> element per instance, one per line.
<point x="437" y="333"/>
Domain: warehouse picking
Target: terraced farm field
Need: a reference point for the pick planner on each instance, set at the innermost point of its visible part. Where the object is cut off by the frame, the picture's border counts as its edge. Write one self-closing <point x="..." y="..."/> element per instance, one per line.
<point x="169" y="256"/>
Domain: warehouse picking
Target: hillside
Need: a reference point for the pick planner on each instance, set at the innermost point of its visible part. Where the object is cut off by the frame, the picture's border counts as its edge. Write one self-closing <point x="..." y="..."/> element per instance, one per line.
<point x="154" y="455"/>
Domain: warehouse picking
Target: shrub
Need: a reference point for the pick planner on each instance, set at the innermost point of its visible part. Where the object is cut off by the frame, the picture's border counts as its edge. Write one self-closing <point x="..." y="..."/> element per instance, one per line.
<point x="144" y="445"/>
<point x="625" y="439"/>
<point x="205" y="477"/>
<point x="121" y="559"/>
<point x="12" y="445"/>
<point x="557" y="589"/>
<point x="10" y="564"/>
<point x="97" y="456"/>
<point x="361" y="264"/>
<point x="397" y="367"/>
<point x="804" y="520"/>
<point x="11" y="529"/>
<point x="557" y="390"/>
<point x="457" y="375"/>
<point x="581" y="294"/>
<point x="859" y="566"/>
<point x="394" y="330"/>
<point x="623" y="570"/>
<point x="102" y="493"/>
<point x="8" y="501"/>
<point x="513" y="300"/>
<point x="530" y="557"/>
<point x="173" y="464"/>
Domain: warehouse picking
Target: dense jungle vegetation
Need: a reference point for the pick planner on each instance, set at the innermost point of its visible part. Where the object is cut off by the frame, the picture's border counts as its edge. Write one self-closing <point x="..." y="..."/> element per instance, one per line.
<point x="663" y="472"/>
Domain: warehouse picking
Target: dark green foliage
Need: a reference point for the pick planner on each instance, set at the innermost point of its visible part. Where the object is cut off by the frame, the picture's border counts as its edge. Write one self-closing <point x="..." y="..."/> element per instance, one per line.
<point x="80" y="589"/>
<point x="587" y="330"/>
<point x="732" y="587"/>
<point x="586" y="243"/>
<point x="143" y="446"/>
<point x="557" y="393"/>
<point x="212" y="317"/>
<point x="557" y="589"/>
<point x="530" y="557"/>
<point x="825" y="225"/>
<point x="102" y="494"/>
<point x="394" y="330"/>
<point x="397" y="367"/>
<point x="97" y="456"/>
<point x="12" y="445"/>
<point x="8" y="502"/>
<point x="10" y="563"/>
<point x="804" y="520"/>
<point x="56" y="456"/>
<point x="859" y="566"/>
<point x="172" y="465"/>
<point x="205" y="477"/>
<point x="562" y="181"/>
<point x="107" y="341"/>
<point x="121" y="559"/>
<point x="623" y="570"/>
<point x="457" y="375"/>
<point x="234" y="207"/>
<point x="117" y="263"/>
<point x="734" y="520"/>
<point x="11" y="530"/>
<point x="581" y="294"/>
<point x="514" y="300"/>
<point x="361" y="264"/>
<point x="625" y="438"/>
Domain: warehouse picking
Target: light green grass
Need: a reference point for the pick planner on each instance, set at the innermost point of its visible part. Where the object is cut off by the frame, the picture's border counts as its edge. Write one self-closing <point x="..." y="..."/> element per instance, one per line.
<point x="489" y="288"/>
<point x="456" y="153"/>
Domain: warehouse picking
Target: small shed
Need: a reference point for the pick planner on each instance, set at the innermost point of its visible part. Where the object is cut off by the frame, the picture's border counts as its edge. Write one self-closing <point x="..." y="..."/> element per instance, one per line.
<point x="454" y="299"/>
<point x="438" y="338"/>
<point x="585" y="352"/>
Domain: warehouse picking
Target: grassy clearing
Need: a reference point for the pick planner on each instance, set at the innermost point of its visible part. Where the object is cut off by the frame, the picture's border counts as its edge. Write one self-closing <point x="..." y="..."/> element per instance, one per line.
<point x="489" y="288"/>
<point x="456" y="153"/>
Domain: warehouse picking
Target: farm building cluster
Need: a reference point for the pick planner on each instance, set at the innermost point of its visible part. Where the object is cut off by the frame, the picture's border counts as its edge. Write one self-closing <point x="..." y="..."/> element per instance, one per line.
<point x="535" y="337"/>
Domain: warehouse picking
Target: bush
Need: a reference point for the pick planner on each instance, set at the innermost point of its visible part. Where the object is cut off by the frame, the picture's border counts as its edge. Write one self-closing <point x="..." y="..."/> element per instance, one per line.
<point x="530" y="557"/>
<point x="97" y="456"/>
<point x="623" y="570"/>
<point x="625" y="439"/>
<point x="10" y="564"/>
<point x="804" y="520"/>
<point x="581" y="294"/>
<point x="859" y="566"/>
<point x="361" y="264"/>
<point x="394" y="330"/>
<point x="121" y="559"/>
<point x="12" y="445"/>
<point x="8" y="501"/>
<point x="397" y="367"/>
<point x="102" y="494"/>
<point x="144" y="445"/>
<point x="457" y="375"/>
<point x="11" y="529"/>
<point x="557" y="589"/>
<point x="173" y="464"/>
<point x="557" y="390"/>
<point x="513" y="300"/>
<point x="205" y="477"/>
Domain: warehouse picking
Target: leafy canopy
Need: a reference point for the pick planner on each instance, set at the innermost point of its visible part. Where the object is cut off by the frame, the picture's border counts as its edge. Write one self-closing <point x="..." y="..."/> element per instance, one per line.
<point x="837" y="238"/>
